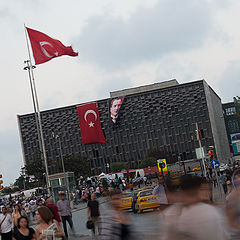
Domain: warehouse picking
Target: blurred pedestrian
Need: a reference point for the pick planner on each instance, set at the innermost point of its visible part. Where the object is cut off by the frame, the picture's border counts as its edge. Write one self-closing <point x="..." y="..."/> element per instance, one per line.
<point x="47" y="228"/>
<point x="16" y="214"/>
<point x="94" y="213"/>
<point x="223" y="180"/>
<point x="160" y="192"/>
<point x="27" y="209"/>
<point x="116" y="226"/>
<point x="54" y="209"/>
<point x="134" y="200"/>
<point x="233" y="206"/>
<point x="145" y="180"/>
<point x="214" y="179"/>
<point x="65" y="213"/>
<point x="22" y="231"/>
<point x="34" y="207"/>
<point x="6" y="224"/>
<point x="191" y="219"/>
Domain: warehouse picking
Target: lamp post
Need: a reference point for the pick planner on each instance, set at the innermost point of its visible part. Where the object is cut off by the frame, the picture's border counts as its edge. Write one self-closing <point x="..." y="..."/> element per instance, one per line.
<point x="107" y="165"/>
<point x="23" y="172"/>
<point x="63" y="165"/>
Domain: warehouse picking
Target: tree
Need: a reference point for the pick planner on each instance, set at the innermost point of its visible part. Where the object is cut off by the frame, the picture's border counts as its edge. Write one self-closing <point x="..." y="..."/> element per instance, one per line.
<point x="118" y="166"/>
<point x="8" y="190"/>
<point x="36" y="167"/>
<point x="28" y="185"/>
<point x="77" y="164"/>
<point x="150" y="161"/>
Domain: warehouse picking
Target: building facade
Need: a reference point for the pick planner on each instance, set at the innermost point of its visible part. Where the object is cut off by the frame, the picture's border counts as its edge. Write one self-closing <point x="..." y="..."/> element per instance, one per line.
<point x="232" y="116"/>
<point x="231" y="113"/>
<point x="160" y="117"/>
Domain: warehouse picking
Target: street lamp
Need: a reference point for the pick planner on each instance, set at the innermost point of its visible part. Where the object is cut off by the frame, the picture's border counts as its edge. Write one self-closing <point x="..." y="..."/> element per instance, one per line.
<point x="63" y="165"/>
<point x="23" y="173"/>
<point x="108" y="166"/>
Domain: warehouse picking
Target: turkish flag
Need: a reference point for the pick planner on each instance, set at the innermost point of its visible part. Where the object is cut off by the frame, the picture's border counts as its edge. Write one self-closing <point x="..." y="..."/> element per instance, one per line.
<point x="45" y="48"/>
<point x="90" y="124"/>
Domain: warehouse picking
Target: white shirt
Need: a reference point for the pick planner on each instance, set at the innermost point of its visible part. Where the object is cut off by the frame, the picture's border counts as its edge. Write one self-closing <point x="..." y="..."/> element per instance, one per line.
<point x="159" y="190"/>
<point x="7" y="225"/>
<point x="199" y="222"/>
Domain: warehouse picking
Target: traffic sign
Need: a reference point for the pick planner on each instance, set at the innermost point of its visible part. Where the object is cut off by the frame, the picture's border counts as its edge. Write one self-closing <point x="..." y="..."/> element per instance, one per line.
<point x="215" y="164"/>
<point x="162" y="165"/>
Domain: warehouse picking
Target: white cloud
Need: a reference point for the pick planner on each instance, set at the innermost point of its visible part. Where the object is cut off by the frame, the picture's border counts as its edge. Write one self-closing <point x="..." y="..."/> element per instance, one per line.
<point x="121" y="44"/>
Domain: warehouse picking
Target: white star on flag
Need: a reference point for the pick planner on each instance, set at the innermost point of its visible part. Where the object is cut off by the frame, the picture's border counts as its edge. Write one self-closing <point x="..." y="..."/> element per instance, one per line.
<point x="91" y="124"/>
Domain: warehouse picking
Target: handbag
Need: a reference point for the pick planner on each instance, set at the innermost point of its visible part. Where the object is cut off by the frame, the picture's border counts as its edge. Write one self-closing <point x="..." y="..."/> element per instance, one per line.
<point x="2" y="223"/>
<point x="89" y="224"/>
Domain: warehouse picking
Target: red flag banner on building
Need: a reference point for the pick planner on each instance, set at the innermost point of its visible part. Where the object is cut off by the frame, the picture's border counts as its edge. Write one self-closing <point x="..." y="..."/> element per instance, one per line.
<point x="45" y="48"/>
<point x="90" y="124"/>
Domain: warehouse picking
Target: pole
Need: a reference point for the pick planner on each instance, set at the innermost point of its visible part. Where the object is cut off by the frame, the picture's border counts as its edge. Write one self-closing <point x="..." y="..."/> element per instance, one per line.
<point x="39" y="116"/>
<point x="34" y="105"/>
<point x="63" y="167"/>
<point x="200" y="145"/>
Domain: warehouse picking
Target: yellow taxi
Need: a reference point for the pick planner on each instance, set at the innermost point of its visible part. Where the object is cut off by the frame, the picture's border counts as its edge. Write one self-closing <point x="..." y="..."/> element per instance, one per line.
<point x="146" y="200"/>
<point x="196" y="169"/>
<point x="126" y="200"/>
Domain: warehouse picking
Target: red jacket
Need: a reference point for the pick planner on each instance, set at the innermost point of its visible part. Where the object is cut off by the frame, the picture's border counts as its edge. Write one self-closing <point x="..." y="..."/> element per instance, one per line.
<point x="55" y="212"/>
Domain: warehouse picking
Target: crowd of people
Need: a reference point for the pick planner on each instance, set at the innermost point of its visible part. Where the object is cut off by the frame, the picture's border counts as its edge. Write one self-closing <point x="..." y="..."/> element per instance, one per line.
<point x="186" y="210"/>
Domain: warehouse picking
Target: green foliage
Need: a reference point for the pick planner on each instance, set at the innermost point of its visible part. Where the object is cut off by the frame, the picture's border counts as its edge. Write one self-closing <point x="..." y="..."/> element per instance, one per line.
<point x="28" y="185"/>
<point x="118" y="166"/>
<point x="35" y="167"/>
<point x="8" y="190"/>
<point x="150" y="161"/>
<point x="77" y="164"/>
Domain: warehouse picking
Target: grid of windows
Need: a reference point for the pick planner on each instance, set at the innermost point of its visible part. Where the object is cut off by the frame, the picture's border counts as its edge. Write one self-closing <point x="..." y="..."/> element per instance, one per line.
<point x="230" y="111"/>
<point x="162" y="119"/>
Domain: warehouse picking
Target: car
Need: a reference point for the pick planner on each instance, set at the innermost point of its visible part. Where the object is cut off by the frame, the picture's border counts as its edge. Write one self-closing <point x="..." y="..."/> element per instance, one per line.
<point x="196" y="169"/>
<point x="126" y="200"/>
<point x="146" y="200"/>
<point x="223" y="167"/>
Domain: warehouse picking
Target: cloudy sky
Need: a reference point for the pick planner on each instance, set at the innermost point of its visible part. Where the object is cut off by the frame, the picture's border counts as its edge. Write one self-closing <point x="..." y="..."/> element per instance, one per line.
<point x="121" y="44"/>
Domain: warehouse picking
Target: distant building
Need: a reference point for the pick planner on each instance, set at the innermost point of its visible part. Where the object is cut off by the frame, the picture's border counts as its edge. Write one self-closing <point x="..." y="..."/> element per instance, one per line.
<point x="232" y="120"/>
<point x="159" y="116"/>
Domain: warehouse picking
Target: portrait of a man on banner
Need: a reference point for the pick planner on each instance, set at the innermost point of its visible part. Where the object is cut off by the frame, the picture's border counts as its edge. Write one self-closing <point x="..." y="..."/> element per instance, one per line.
<point x="115" y="106"/>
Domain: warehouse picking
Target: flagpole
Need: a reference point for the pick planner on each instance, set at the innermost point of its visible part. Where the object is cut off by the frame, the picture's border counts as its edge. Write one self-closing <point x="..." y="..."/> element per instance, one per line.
<point x="201" y="149"/>
<point x="39" y="116"/>
<point x="34" y="103"/>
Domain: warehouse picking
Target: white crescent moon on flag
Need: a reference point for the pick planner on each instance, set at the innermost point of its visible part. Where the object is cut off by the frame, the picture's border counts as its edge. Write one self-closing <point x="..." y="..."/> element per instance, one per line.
<point x="88" y="112"/>
<point x="44" y="50"/>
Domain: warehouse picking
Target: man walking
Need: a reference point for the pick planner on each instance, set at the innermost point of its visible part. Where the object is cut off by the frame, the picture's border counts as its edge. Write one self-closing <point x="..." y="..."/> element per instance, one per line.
<point x="93" y="213"/>
<point x="159" y="191"/>
<point x="65" y="213"/>
<point x="6" y="225"/>
<point x="223" y="179"/>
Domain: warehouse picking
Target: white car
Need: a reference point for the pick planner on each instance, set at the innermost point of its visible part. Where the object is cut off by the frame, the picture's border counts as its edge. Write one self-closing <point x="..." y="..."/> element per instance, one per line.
<point x="223" y="167"/>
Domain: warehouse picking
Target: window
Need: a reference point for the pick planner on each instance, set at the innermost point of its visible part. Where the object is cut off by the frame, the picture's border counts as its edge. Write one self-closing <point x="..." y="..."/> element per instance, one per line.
<point x="233" y="125"/>
<point x="230" y="111"/>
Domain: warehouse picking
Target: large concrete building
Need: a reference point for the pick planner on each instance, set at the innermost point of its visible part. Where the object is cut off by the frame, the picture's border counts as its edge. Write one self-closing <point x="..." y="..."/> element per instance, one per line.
<point x="159" y="116"/>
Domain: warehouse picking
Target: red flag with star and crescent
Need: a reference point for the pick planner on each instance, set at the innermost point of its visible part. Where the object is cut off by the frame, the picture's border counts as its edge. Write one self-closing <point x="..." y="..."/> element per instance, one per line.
<point x="46" y="48"/>
<point x="90" y="124"/>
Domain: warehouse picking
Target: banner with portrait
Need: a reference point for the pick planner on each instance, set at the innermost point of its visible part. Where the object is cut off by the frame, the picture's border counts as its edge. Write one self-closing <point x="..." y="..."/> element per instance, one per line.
<point x="115" y="105"/>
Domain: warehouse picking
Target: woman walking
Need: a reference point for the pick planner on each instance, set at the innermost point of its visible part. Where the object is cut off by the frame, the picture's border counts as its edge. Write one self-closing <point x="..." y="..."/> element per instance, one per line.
<point x="47" y="227"/>
<point x="22" y="231"/>
<point x="16" y="214"/>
